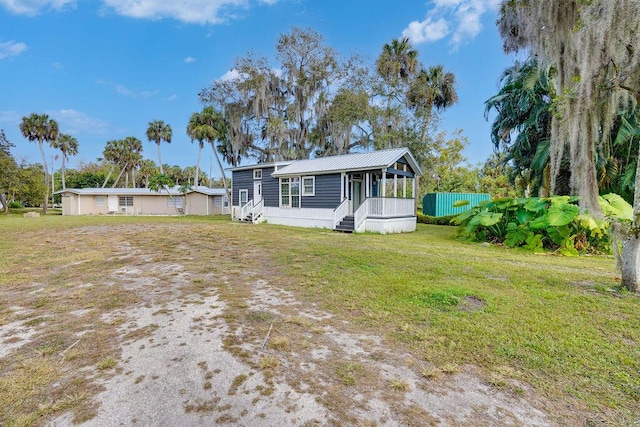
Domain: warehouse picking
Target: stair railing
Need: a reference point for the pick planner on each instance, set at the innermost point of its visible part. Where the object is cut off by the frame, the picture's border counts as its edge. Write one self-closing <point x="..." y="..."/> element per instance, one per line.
<point x="246" y="209"/>
<point x="258" y="210"/>
<point x="340" y="212"/>
<point x="360" y="215"/>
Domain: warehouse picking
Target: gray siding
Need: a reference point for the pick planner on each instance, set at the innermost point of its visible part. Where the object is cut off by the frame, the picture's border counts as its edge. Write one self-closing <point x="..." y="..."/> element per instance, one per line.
<point x="241" y="180"/>
<point x="327" y="194"/>
<point x="270" y="190"/>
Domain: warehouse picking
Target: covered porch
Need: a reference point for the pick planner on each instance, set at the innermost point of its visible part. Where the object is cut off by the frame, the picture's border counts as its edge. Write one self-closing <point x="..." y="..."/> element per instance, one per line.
<point x="381" y="200"/>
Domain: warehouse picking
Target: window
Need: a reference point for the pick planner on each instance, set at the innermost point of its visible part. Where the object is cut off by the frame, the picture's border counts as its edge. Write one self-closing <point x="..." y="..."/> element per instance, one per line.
<point x="226" y="201"/>
<point x="244" y="197"/>
<point x="174" y="202"/>
<point x="125" y="201"/>
<point x="100" y="201"/>
<point x="290" y="192"/>
<point x="257" y="174"/>
<point x="308" y="185"/>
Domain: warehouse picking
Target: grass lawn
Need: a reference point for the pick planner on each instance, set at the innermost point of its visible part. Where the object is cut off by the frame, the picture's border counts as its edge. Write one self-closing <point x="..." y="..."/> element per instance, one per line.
<point x="559" y="326"/>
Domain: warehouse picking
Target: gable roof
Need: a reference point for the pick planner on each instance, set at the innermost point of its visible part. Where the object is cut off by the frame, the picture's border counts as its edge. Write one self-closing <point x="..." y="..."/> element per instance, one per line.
<point x="349" y="162"/>
<point x="175" y="191"/>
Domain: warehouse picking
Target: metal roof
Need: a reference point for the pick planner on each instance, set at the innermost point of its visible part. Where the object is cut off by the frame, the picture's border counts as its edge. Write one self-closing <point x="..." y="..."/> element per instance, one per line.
<point x="349" y="162"/>
<point x="175" y="191"/>
<point x="261" y="165"/>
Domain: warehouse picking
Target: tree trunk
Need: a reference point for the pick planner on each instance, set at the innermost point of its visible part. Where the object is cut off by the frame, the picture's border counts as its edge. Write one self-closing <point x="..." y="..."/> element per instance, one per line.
<point x="224" y="178"/>
<point x="108" y="176"/>
<point x="120" y="175"/>
<point x="159" y="158"/>
<point x="630" y="263"/>
<point x="3" y="202"/>
<point x="46" y="178"/>
<point x="196" y="179"/>
<point x="64" y="184"/>
<point x="425" y="124"/>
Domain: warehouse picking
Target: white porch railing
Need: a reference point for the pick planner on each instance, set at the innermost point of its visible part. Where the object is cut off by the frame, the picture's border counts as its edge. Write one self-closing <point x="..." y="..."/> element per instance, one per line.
<point x="340" y="212"/>
<point x="258" y="211"/>
<point x="382" y="207"/>
<point x="246" y="209"/>
<point x="360" y="215"/>
<point x="390" y="207"/>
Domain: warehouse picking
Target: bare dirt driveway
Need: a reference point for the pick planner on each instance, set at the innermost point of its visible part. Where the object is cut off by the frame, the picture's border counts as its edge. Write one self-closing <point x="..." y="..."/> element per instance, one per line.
<point x="168" y="323"/>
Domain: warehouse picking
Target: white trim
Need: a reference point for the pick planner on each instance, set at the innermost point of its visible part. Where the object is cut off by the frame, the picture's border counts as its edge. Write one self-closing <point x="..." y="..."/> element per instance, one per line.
<point x="313" y="185"/>
<point x="290" y="181"/>
<point x="309" y="217"/>
<point x="257" y="174"/>
<point x="240" y="201"/>
<point x="390" y="225"/>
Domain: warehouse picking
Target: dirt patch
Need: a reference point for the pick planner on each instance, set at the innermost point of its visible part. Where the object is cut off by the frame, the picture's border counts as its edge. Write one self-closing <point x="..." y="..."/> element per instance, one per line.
<point x="211" y="334"/>
<point x="471" y="303"/>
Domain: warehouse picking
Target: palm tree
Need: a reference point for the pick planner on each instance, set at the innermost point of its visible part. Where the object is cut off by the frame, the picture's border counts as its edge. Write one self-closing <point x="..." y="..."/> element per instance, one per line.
<point x="432" y="88"/>
<point x="397" y="63"/>
<point x="194" y="131"/>
<point x="133" y="157"/>
<point x="148" y="168"/>
<point x="522" y="126"/>
<point x="39" y="127"/>
<point x="112" y="153"/>
<point x="68" y="146"/>
<point x="129" y="157"/>
<point x="214" y="128"/>
<point x="158" y="131"/>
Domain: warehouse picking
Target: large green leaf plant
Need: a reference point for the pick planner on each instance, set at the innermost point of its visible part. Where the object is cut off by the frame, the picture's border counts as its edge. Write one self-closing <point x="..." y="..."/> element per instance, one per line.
<point x="543" y="224"/>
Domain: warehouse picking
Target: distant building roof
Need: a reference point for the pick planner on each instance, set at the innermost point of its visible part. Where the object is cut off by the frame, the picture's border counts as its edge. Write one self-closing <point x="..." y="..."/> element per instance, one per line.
<point x="174" y="191"/>
<point x="349" y="162"/>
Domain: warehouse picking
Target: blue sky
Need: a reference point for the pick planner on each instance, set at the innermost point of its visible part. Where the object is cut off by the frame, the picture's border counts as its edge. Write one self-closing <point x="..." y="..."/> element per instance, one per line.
<point x="105" y="68"/>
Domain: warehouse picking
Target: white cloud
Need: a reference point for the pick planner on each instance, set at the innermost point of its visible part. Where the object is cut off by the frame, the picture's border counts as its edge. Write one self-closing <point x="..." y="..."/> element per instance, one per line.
<point x="190" y="11"/>
<point x="33" y="7"/>
<point x="75" y="122"/>
<point x="172" y="97"/>
<point x="459" y="19"/>
<point x="69" y="120"/>
<point x="11" y="48"/>
<point x="426" y="31"/>
<point x="189" y="59"/>
<point x="231" y="75"/>
<point x="131" y="93"/>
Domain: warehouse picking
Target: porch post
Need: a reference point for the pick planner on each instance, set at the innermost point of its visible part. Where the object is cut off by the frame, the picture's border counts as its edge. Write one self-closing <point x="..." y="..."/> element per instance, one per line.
<point x="384" y="188"/>
<point x="404" y="183"/>
<point x="416" y="185"/>
<point x="367" y="180"/>
<point x="342" y="175"/>
<point x="395" y="185"/>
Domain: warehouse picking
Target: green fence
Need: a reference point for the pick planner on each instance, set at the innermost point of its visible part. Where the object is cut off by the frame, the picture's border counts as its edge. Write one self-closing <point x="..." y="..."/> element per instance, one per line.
<point x="441" y="204"/>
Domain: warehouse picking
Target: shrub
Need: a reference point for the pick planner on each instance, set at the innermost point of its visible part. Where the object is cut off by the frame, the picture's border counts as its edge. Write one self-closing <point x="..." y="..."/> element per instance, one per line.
<point x="435" y="220"/>
<point x="15" y="205"/>
<point x="551" y="223"/>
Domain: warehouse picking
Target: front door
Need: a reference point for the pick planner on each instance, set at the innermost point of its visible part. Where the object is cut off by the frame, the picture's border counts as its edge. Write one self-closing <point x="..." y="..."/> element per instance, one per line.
<point x="257" y="192"/>
<point x="112" y="203"/>
<point x="357" y="195"/>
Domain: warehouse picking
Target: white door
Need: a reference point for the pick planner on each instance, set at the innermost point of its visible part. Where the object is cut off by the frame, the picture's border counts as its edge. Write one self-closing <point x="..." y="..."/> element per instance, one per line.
<point x="257" y="192"/>
<point x="112" y="203"/>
